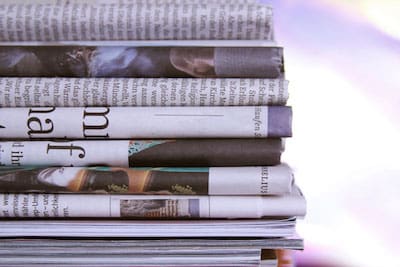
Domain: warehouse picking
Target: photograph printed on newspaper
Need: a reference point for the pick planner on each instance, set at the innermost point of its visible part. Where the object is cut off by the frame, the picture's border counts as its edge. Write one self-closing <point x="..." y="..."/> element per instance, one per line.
<point x="123" y="61"/>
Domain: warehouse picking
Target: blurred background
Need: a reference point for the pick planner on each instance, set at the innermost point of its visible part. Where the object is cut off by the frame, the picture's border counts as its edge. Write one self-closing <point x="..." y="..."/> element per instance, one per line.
<point x="343" y="63"/>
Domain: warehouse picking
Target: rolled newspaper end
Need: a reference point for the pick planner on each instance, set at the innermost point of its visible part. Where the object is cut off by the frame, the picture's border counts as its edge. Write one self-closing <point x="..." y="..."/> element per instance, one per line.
<point x="143" y="153"/>
<point x="248" y="62"/>
<point x="293" y="204"/>
<point x="150" y="206"/>
<point x="263" y="180"/>
<point x="280" y="121"/>
<point x="145" y="122"/>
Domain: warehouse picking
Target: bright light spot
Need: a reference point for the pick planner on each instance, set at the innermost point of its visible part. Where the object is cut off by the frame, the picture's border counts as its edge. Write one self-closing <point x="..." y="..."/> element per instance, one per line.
<point x="384" y="15"/>
<point x="340" y="139"/>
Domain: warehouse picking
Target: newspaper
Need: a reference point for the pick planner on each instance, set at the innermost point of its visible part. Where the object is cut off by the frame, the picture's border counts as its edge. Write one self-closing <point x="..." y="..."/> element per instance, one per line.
<point x="143" y="153"/>
<point x="141" y="62"/>
<point x="161" y="256"/>
<point x="134" y="20"/>
<point x="263" y="180"/>
<point x="158" y="2"/>
<point x="82" y="92"/>
<point x="128" y="245"/>
<point x="201" y="257"/>
<point x="145" y="122"/>
<point x="113" y="228"/>
<point x="149" y="206"/>
<point x="153" y="2"/>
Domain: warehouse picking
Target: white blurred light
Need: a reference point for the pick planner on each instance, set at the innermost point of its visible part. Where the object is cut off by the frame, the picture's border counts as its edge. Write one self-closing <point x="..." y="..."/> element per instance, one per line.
<point x="340" y="136"/>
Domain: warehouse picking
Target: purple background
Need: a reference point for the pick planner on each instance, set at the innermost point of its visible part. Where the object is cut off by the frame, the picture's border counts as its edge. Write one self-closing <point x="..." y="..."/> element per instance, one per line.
<point x="343" y="63"/>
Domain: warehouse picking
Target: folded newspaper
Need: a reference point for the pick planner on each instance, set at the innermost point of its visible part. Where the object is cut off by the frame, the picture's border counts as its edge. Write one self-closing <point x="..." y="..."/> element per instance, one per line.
<point x="37" y="205"/>
<point x="72" y="20"/>
<point x="117" y="245"/>
<point x="163" y="257"/>
<point x="274" y="180"/>
<point x="82" y="92"/>
<point x="158" y="2"/>
<point x="256" y="228"/>
<point x="143" y="153"/>
<point x="125" y="252"/>
<point x="250" y="258"/>
<point x="133" y="61"/>
<point x="145" y="122"/>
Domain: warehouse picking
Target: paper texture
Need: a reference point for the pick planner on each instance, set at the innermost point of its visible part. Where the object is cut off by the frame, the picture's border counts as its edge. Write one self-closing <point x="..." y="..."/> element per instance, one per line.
<point x="200" y="258"/>
<point x="81" y="92"/>
<point x="168" y="181"/>
<point x="137" y="244"/>
<point x="142" y="62"/>
<point x="150" y="206"/>
<point x="158" y="2"/>
<point x="113" y="228"/>
<point x="144" y="122"/>
<point x="134" y="20"/>
<point x="122" y="254"/>
<point x="143" y="153"/>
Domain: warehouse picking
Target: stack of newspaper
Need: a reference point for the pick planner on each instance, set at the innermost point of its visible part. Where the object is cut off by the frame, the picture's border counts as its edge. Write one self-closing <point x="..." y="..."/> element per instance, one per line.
<point x="144" y="132"/>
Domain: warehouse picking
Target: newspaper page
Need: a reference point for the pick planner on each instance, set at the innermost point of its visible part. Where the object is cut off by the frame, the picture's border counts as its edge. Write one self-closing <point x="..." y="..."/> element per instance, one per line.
<point x="183" y="230"/>
<point x="161" y="256"/>
<point x="134" y="20"/>
<point x="143" y="153"/>
<point x="293" y="242"/>
<point x="274" y="180"/>
<point x="141" y="62"/>
<point x="158" y="2"/>
<point x="83" y="92"/>
<point x="150" y="206"/>
<point x="145" y="122"/>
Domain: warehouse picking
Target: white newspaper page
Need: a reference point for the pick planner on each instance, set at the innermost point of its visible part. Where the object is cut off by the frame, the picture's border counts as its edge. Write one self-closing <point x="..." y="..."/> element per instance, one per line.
<point x="138" y="122"/>
<point x="150" y="206"/>
<point x="81" y="92"/>
<point x="68" y="153"/>
<point x="132" y="20"/>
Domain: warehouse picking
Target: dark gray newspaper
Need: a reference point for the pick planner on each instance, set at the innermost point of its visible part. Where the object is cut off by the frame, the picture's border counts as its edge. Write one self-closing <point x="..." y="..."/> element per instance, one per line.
<point x="263" y="180"/>
<point x="72" y="20"/>
<point x="145" y="122"/>
<point x="132" y="61"/>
